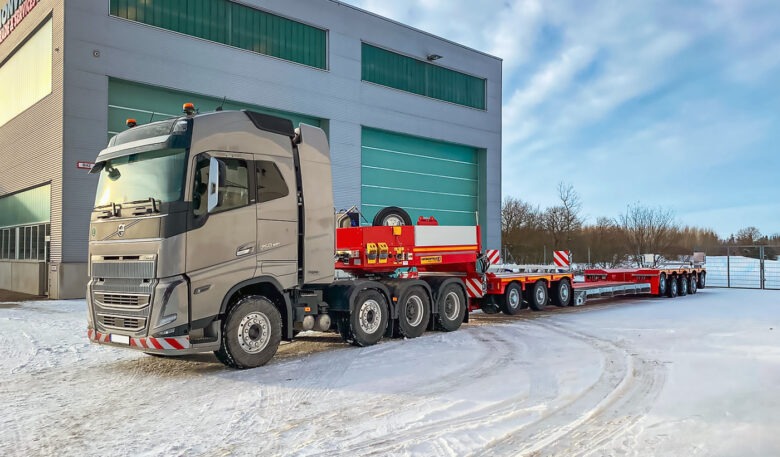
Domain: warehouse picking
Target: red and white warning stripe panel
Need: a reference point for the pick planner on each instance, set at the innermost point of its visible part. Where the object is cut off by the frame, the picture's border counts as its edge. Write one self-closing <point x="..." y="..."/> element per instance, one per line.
<point x="474" y="287"/>
<point x="174" y="343"/>
<point x="562" y="259"/>
<point x="494" y="256"/>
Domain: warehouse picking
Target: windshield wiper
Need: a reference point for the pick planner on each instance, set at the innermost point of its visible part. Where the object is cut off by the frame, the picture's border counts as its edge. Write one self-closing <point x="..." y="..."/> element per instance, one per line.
<point x="113" y="212"/>
<point x="139" y="210"/>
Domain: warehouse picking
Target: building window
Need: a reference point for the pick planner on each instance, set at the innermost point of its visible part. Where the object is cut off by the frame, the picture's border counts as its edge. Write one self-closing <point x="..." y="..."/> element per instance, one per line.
<point x="233" y="24"/>
<point x="28" y="242"/>
<point x="25" y="77"/>
<point x="391" y="69"/>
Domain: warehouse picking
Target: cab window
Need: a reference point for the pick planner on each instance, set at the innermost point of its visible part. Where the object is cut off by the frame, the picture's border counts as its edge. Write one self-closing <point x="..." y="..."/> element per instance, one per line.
<point x="233" y="194"/>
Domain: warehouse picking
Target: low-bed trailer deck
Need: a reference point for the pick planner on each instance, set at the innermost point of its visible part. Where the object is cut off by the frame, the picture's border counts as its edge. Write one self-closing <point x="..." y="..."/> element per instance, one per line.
<point x="431" y="251"/>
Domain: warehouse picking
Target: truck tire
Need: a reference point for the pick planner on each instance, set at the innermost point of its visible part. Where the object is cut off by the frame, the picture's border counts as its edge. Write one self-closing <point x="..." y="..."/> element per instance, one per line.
<point x="392" y="215"/>
<point x="512" y="300"/>
<point x="251" y="333"/>
<point x="663" y="284"/>
<point x="683" y="289"/>
<point x="368" y="321"/>
<point x="702" y="280"/>
<point x="537" y="296"/>
<point x="692" y="284"/>
<point x="450" y="307"/>
<point x="414" y="312"/>
<point x="672" y="289"/>
<point x="562" y="293"/>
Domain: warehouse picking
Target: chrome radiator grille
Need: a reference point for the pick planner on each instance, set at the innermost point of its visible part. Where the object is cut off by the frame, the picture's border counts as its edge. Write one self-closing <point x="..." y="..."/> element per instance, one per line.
<point x="123" y="269"/>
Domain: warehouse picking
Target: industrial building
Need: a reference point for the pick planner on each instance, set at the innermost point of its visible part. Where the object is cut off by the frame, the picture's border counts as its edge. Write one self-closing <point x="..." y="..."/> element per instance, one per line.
<point x="413" y="120"/>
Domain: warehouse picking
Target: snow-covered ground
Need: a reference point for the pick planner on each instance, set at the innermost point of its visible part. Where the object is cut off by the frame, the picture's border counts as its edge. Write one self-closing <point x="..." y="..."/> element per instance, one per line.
<point x="695" y="375"/>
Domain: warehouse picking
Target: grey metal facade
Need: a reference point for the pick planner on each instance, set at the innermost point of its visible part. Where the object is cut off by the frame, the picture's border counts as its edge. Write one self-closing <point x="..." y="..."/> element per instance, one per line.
<point x="97" y="46"/>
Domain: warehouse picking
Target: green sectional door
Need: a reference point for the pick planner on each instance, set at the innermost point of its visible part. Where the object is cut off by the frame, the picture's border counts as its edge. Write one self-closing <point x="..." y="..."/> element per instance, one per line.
<point x="424" y="177"/>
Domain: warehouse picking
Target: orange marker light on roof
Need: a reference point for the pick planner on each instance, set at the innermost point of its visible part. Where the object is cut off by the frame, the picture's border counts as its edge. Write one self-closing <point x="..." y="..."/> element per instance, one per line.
<point x="131" y="123"/>
<point x="189" y="109"/>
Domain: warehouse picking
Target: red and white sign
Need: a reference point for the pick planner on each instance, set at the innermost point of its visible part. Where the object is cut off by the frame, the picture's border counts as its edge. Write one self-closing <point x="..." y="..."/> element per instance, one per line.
<point x="85" y="165"/>
<point x="474" y="287"/>
<point x="562" y="259"/>
<point x="494" y="256"/>
<point x="12" y="13"/>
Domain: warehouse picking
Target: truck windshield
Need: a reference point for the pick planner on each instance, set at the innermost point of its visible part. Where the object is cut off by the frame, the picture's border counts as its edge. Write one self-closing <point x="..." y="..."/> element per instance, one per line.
<point x="153" y="174"/>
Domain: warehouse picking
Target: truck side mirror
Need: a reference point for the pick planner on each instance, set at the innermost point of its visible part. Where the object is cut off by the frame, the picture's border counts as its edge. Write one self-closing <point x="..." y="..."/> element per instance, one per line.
<point x="217" y="171"/>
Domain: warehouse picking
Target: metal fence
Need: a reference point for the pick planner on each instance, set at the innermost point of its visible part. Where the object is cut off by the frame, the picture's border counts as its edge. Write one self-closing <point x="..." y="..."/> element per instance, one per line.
<point x="748" y="267"/>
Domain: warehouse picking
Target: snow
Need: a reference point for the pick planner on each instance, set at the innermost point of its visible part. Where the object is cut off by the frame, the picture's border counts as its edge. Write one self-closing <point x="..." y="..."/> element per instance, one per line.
<point x="695" y="375"/>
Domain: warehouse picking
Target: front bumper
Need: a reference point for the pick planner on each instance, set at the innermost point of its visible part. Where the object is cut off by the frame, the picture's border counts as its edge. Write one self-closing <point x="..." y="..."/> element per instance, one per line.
<point x="175" y="345"/>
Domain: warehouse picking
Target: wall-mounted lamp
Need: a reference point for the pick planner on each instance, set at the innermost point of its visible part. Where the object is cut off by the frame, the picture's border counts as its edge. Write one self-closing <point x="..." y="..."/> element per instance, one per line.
<point x="432" y="57"/>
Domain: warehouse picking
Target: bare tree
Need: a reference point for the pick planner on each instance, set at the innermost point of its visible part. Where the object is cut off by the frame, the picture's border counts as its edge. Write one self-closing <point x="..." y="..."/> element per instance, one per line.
<point x="647" y="230"/>
<point x="521" y="228"/>
<point x="748" y="235"/>
<point x="562" y="221"/>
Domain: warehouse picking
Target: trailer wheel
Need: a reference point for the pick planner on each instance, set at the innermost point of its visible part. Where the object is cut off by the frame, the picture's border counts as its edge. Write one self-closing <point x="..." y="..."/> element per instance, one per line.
<point x="702" y="280"/>
<point x="414" y="312"/>
<point x="251" y="333"/>
<point x="683" y="289"/>
<point x="512" y="300"/>
<point x="672" y="292"/>
<point x="392" y="215"/>
<point x="662" y="285"/>
<point x="562" y="293"/>
<point x="368" y="321"/>
<point x="538" y="296"/>
<point x="450" y="307"/>
<point x="692" y="284"/>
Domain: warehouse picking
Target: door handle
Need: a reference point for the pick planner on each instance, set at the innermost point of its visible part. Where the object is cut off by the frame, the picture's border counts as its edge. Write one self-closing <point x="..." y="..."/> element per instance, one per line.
<point x="243" y="250"/>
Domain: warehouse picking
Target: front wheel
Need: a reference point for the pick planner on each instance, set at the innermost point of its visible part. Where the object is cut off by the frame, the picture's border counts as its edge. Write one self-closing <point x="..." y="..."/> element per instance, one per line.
<point x="251" y="333"/>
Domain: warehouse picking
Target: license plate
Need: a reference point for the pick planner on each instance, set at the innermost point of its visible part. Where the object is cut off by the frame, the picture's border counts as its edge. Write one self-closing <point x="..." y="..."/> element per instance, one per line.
<point x="120" y="339"/>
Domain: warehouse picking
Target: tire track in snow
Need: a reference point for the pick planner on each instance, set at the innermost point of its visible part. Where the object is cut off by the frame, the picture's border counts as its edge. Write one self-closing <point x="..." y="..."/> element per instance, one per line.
<point x="625" y="392"/>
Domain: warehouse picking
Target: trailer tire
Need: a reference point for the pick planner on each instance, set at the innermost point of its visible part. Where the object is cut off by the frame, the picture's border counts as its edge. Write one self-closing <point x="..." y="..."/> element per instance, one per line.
<point x="692" y="284"/>
<point x="663" y="284"/>
<point x="683" y="285"/>
<point x="562" y="293"/>
<point x="251" y="333"/>
<point x="414" y="312"/>
<point x="512" y="300"/>
<point x="392" y="215"/>
<point x="702" y="280"/>
<point x="672" y="292"/>
<point x="538" y="296"/>
<point x="450" y="307"/>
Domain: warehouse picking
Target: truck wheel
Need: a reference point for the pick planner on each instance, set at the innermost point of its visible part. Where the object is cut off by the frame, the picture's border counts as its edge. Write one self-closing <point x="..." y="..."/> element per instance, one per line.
<point x="414" y="312"/>
<point x="451" y="308"/>
<point x="692" y="286"/>
<point x="683" y="289"/>
<point x="368" y="321"/>
<point x="537" y="298"/>
<point x="662" y="285"/>
<point x="512" y="301"/>
<point x="672" y="292"/>
<point x="702" y="280"/>
<point x="251" y="333"/>
<point x="562" y="293"/>
<point x="392" y="215"/>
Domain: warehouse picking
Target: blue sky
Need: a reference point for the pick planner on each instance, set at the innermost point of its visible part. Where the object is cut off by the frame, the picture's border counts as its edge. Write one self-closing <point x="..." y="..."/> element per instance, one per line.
<point x="665" y="103"/>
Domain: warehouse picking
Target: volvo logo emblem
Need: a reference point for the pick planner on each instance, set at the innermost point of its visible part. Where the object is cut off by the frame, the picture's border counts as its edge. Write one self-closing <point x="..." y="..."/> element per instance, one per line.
<point x="121" y="230"/>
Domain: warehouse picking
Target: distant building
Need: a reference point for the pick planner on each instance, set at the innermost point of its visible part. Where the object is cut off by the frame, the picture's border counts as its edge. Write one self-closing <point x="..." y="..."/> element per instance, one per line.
<point x="413" y="120"/>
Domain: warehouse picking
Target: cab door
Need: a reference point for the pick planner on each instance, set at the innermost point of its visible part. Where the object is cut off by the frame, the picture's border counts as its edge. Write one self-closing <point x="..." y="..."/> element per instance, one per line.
<point x="221" y="243"/>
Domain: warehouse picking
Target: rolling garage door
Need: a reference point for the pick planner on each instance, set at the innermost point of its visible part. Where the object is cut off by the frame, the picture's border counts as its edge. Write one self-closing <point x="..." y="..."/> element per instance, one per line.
<point x="424" y="177"/>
